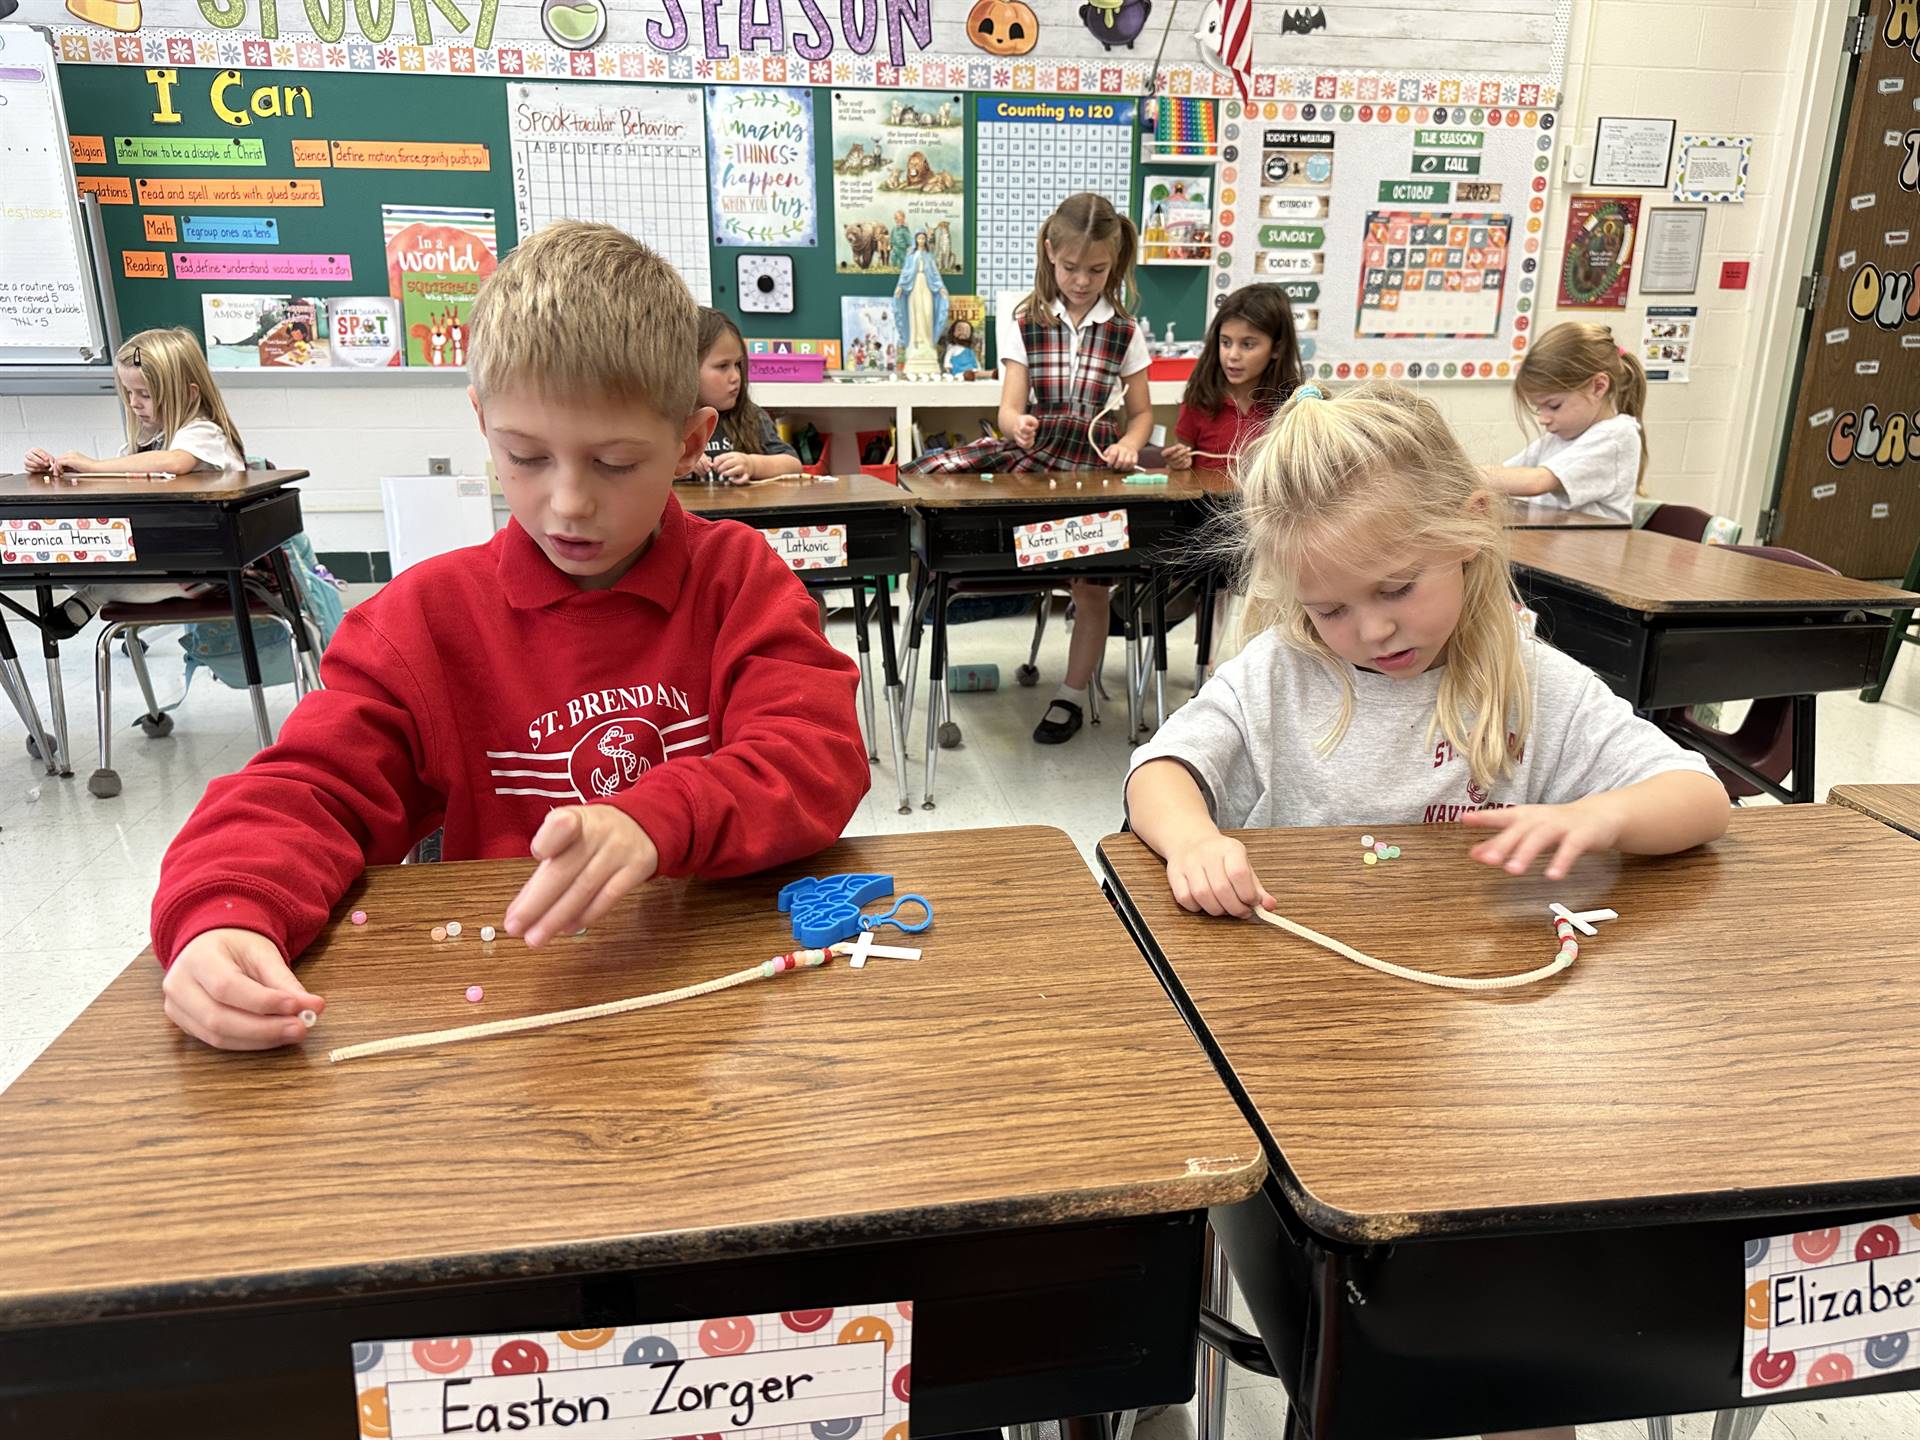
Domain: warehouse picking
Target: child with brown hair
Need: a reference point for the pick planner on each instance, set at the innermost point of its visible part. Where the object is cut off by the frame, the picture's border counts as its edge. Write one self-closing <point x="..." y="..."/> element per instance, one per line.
<point x="1589" y="398"/>
<point x="1248" y="367"/>
<point x="1067" y="352"/>
<point x="745" y="444"/>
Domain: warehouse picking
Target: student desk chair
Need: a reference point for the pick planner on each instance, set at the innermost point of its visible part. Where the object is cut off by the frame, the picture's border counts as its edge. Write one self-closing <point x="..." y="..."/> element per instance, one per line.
<point x="964" y="528"/>
<point x="202" y="527"/>
<point x="1667" y="624"/>
<point x="1494" y="1210"/>
<point x="1016" y="1133"/>
<point x="874" y="514"/>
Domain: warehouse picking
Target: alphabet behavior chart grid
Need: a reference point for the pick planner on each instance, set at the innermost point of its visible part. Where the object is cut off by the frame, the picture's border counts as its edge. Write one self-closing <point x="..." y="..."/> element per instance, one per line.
<point x="1033" y="152"/>
<point x="629" y="156"/>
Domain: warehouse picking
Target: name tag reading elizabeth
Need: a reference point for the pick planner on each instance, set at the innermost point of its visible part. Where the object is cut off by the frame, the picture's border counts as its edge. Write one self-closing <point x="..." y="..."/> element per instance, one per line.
<point x="1827" y="1306"/>
<point x="844" y="1370"/>
<point x="1047" y="541"/>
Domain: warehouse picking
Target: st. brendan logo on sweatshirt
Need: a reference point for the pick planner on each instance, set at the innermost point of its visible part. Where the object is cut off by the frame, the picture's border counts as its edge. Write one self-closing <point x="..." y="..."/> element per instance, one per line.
<point x="601" y="743"/>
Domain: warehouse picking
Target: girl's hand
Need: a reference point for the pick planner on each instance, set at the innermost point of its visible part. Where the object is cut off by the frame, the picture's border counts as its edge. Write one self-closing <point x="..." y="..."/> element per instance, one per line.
<point x="590" y="856"/>
<point x="1121" y="456"/>
<point x="1026" y="430"/>
<point x="72" y="460"/>
<point x="1213" y="874"/>
<point x="1572" y="830"/>
<point x="39" y="462"/>
<point x="232" y="989"/>
<point x="1177" y="456"/>
<point x="733" y="466"/>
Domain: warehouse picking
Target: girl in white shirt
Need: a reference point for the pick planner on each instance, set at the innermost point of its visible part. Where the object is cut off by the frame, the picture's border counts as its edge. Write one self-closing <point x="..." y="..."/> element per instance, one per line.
<point x="1589" y="398"/>
<point x="176" y="423"/>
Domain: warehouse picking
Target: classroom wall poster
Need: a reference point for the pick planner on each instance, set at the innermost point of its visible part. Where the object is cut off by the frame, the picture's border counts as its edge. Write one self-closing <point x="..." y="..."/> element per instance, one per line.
<point x="760" y="162"/>
<point x="1514" y="55"/>
<point x="1666" y="342"/>
<point x="1176" y="219"/>
<point x="1035" y="153"/>
<point x="899" y="170"/>
<point x="1314" y="197"/>
<point x="1597" y="267"/>
<point x="436" y="258"/>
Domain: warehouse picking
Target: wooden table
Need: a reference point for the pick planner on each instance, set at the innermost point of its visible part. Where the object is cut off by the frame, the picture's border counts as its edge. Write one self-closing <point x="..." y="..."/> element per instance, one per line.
<point x="1017" y="1133"/>
<point x="1895" y="805"/>
<point x="1528" y="1207"/>
<point x="206" y="526"/>
<point x="876" y="519"/>
<point x="1668" y="623"/>
<point x="1521" y="516"/>
<point x="964" y="530"/>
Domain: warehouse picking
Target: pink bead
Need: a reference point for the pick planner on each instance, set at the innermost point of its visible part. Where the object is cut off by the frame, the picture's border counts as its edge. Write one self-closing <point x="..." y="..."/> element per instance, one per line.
<point x="439" y="932"/>
<point x="359" y="917"/>
<point x="474" y="992"/>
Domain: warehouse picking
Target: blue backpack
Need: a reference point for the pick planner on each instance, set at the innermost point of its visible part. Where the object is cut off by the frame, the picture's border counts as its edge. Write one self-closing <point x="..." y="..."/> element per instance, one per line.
<point x="214" y="645"/>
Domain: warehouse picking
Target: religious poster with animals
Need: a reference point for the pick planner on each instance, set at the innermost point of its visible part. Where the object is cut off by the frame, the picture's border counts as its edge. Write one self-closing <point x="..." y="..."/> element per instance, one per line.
<point x="899" y="172"/>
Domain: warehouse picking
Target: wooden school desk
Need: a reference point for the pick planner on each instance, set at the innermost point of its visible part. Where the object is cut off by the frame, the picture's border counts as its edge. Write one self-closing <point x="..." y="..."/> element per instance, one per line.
<point x="1528" y="1207"/>
<point x="963" y="529"/>
<point x="1521" y="516"/>
<point x="1015" y="1132"/>
<point x="1895" y="805"/>
<point x="205" y="526"/>
<point x="875" y="515"/>
<point x="1669" y="623"/>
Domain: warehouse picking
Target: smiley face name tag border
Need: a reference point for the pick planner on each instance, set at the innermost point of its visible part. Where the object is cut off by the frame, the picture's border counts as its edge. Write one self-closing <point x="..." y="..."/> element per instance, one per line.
<point x="67" y="540"/>
<point x="809" y="547"/>
<point x="1045" y="542"/>
<point x="1827" y="1306"/>
<point x="826" y="1374"/>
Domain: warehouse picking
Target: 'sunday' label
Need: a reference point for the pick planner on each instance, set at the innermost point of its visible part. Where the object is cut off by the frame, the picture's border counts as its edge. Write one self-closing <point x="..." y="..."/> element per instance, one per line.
<point x="1827" y="1306"/>
<point x="809" y="547"/>
<point x="67" y="540"/>
<point x="845" y="1369"/>
<point x="1043" y="543"/>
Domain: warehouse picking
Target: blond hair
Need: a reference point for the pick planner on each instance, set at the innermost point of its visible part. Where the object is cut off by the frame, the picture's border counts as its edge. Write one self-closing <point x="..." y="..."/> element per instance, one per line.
<point x="175" y="369"/>
<point x="1368" y="476"/>
<point x="580" y="310"/>
<point x="1566" y="358"/>
<point x="1080" y="221"/>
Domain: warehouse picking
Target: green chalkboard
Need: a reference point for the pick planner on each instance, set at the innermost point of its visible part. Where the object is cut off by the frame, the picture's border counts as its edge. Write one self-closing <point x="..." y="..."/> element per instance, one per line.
<point x="117" y="102"/>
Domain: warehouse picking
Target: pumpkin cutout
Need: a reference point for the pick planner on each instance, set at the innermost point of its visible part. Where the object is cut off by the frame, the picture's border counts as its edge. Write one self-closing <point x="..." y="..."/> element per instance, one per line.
<point x="1003" y="27"/>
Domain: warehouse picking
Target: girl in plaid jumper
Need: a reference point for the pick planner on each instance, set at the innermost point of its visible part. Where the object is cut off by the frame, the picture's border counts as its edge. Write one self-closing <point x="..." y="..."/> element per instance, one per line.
<point x="1064" y="352"/>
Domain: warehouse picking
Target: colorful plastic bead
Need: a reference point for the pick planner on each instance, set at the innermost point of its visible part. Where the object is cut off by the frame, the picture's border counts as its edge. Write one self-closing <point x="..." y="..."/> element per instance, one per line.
<point x="453" y="927"/>
<point x="1370" y="858"/>
<point x="359" y="917"/>
<point x="1367" y="840"/>
<point x="309" y="1019"/>
<point x="439" y="932"/>
<point x="1393" y="852"/>
<point x="474" y="994"/>
<point x="486" y="932"/>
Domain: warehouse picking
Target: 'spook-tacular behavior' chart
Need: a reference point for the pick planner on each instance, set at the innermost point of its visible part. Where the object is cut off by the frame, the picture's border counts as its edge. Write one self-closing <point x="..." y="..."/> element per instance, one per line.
<point x="1032" y="155"/>
<point x="1408" y="235"/>
<point x="630" y="156"/>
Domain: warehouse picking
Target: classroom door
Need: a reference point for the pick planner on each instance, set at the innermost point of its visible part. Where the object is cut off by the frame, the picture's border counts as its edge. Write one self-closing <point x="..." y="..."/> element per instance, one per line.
<point x="1849" y="492"/>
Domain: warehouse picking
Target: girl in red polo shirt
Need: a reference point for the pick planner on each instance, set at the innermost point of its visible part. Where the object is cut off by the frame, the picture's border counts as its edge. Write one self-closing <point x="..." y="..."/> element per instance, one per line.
<point x="1248" y="367"/>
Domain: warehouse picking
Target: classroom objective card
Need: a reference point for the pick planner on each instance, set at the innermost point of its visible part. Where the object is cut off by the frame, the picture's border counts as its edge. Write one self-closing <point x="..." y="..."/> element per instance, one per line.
<point x="827" y="1374"/>
<point x="1407" y="235"/>
<point x="1827" y="1306"/>
<point x="630" y="156"/>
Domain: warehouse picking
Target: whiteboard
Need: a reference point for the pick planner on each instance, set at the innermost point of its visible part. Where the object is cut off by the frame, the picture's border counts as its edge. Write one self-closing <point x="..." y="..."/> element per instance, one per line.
<point x="49" y="313"/>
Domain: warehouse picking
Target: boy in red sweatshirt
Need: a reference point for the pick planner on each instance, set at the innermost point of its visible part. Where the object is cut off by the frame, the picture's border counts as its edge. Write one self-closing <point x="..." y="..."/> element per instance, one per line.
<point x="626" y="689"/>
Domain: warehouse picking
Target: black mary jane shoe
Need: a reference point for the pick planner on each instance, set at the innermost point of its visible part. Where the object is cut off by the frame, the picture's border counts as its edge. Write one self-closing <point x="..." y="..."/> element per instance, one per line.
<point x="66" y="620"/>
<point x="1057" y="732"/>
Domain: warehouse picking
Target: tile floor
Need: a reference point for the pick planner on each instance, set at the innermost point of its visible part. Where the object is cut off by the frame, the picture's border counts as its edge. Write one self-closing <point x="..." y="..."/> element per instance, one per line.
<point x="77" y="874"/>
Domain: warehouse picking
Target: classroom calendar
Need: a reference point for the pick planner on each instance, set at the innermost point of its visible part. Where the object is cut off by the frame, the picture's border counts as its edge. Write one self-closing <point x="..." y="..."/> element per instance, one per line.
<point x="1433" y="274"/>
<point x="630" y="156"/>
<point x="1033" y="152"/>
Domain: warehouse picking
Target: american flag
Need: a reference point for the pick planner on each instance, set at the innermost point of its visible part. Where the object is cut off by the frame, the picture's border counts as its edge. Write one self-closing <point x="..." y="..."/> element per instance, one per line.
<point x="1236" y="42"/>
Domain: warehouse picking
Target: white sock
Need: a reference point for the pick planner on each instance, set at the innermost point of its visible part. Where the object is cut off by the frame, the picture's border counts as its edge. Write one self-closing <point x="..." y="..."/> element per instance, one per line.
<point x="1072" y="696"/>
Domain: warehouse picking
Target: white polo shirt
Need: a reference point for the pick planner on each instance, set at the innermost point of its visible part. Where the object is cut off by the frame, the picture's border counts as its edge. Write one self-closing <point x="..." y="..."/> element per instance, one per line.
<point x="1013" y="345"/>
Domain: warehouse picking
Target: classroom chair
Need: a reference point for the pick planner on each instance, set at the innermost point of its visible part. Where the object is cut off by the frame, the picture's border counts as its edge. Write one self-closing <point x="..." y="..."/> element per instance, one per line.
<point x="1764" y="741"/>
<point x="1906" y="631"/>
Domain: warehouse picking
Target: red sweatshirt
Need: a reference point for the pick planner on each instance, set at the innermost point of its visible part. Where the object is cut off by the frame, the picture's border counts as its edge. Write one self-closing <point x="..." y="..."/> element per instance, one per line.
<point x="481" y="689"/>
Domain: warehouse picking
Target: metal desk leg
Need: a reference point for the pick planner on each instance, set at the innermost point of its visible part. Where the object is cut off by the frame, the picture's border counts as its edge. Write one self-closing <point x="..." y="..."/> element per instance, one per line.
<point x="896" y="697"/>
<point x="859" y="588"/>
<point x="1159" y="648"/>
<point x="1737" y="1424"/>
<point x="14" y="681"/>
<point x="56" y="685"/>
<point x="306" y="656"/>
<point x="936" y="683"/>
<point x="1659" y="1427"/>
<point x="1805" y="708"/>
<point x="1216" y="1294"/>
<point x="1203" y="631"/>
<point x="249" y="655"/>
<point x="914" y="622"/>
<point x="1130" y="630"/>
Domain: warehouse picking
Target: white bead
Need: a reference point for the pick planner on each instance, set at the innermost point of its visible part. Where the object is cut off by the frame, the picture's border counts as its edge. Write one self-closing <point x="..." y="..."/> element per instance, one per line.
<point x="309" y="1019"/>
<point x="486" y="932"/>
<point x="453" y="927"/>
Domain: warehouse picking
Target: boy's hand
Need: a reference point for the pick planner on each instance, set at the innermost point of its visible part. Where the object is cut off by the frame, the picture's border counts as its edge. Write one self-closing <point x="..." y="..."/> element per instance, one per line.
<point x="39" y="462"/>
<point x="231" y="989"/>
<point x="590" y="855"/>
<point x="733" y="466"/>
<point x="1121" y="456"/>
<point x="1177" y="456"/>
<point x="1525" y="830"/>
<point x="1026" y="430"/>
<point x="1213" y="874"/>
